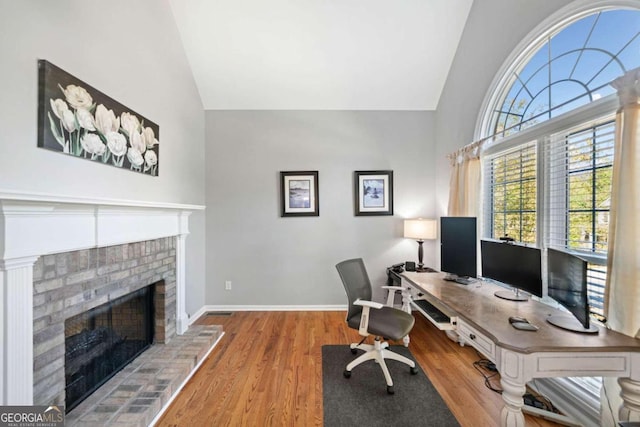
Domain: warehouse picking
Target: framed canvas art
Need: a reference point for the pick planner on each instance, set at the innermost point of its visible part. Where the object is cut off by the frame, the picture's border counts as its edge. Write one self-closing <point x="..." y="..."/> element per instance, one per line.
<point x="299" y="193"/>
<point x="76" y="119"/>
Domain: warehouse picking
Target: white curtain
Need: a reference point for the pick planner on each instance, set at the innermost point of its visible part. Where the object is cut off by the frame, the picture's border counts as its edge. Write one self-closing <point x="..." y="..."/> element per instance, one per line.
<point x="623" y="268"/>
<point x="622" y="299"/>
<point x="464" y="185"/>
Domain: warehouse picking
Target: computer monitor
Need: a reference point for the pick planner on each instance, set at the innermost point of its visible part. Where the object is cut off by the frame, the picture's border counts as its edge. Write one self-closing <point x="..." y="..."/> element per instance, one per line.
<point x="567" y="284"/>
<point x="512" y="264"/>
<point x="458" y="247"/>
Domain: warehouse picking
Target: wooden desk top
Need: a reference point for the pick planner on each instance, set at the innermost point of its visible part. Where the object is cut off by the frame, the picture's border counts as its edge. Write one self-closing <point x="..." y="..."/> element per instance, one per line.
<point x="476" y="304"/>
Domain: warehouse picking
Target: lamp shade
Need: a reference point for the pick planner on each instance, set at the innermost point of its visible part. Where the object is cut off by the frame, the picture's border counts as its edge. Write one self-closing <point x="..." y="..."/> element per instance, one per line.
<point x="420" y="229"/>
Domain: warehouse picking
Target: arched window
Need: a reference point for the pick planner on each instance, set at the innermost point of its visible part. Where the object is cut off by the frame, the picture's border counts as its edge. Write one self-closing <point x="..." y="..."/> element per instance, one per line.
<point x="566" y="68"/>
<point x="550" y="186"/>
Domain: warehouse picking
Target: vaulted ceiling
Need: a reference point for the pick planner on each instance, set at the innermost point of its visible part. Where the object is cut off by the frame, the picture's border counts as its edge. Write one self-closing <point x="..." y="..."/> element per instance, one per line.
<point x="320" y="54"/>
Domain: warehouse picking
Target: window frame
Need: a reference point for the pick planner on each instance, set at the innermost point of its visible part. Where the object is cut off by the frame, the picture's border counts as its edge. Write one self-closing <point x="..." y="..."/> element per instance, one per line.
<point x="528" y="47"/>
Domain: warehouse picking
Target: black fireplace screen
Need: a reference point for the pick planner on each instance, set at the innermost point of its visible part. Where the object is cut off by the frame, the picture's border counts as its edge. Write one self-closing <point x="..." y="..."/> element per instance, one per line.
<point x="103" y="340"/>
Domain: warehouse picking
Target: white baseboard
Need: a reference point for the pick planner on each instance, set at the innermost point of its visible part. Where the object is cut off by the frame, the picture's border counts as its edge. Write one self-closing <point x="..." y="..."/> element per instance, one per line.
<point x="195" y="316"/>
<point x="211" y="308"/>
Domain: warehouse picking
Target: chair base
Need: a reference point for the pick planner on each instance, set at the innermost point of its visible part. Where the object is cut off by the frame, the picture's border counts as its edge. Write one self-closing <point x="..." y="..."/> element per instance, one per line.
<point x="379" y="352"/>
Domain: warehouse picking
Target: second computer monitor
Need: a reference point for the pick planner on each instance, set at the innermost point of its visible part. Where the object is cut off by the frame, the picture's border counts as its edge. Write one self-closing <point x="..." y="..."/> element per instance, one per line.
<point x="515" y="265"/>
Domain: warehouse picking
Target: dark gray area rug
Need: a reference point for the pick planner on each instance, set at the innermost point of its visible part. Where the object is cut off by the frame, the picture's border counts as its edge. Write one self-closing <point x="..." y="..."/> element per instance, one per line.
<point x="363" y="398"/>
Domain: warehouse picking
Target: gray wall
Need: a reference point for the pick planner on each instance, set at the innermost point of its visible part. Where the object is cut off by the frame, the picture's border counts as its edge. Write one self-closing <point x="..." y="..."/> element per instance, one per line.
<point x="130" y="51"/>
<point x="493" y="30"/>
<point x="290" y="261"/>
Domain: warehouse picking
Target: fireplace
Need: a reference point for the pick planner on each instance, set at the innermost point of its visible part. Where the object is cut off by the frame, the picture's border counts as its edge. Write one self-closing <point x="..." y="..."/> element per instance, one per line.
<point x="61" y="256"/>
<point x="81" y="299"/>
<point x="102" y="341"/>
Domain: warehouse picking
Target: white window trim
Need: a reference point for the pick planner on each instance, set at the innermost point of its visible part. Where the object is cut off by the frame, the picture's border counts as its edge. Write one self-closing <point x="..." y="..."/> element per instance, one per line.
<point x="584" y="114"/>
<point x="523" y="51"/>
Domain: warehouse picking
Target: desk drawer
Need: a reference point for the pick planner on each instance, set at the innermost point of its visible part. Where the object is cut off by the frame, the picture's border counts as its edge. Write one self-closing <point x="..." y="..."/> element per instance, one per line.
<point x="476" y="339"/>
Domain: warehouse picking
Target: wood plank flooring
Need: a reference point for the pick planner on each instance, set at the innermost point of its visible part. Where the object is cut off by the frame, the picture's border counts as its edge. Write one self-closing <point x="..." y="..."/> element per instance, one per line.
<point x="267" y="371"/>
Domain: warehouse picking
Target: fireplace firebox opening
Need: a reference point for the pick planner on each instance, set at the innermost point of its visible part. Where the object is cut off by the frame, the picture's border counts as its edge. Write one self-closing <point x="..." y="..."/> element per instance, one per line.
<point x="102" y="341"/>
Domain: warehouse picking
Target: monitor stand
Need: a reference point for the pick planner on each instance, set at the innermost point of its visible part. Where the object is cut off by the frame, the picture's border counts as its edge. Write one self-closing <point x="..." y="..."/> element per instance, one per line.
<point x="513" y="295"/>
<point x="461" y="280"/>
<point x="570" y="323"/>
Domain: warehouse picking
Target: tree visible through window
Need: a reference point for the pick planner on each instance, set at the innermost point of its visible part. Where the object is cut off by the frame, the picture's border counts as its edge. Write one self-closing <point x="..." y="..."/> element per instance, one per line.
<point x="590" y="163"/>
<point x="513" y="188"/>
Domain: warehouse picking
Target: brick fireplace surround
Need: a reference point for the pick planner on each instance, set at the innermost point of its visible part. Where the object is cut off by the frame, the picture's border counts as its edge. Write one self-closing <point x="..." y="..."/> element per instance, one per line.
<point x="74" y="282"/>
<point x="60" y="256"/>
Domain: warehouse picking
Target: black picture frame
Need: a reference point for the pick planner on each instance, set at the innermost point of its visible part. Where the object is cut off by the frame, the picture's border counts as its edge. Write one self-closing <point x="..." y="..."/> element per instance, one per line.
<point x="299" y="193"/>
<point x="75" y="118"/>
<point x="373" y="192"/>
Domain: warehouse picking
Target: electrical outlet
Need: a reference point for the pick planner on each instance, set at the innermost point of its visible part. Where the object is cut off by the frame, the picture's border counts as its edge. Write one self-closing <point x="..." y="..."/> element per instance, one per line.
<point x="227" y="285"/>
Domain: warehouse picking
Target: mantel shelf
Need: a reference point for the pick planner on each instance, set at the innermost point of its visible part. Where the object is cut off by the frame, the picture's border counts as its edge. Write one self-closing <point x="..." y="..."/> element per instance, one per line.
<point x="24" y="196"/>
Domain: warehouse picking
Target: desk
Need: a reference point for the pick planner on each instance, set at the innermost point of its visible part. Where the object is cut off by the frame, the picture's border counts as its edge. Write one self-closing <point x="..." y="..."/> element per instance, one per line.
<point x="482" y="321"/>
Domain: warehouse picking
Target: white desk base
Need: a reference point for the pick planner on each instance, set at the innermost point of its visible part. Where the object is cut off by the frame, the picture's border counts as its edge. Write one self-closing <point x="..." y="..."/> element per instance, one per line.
<point x="519" y="365"/>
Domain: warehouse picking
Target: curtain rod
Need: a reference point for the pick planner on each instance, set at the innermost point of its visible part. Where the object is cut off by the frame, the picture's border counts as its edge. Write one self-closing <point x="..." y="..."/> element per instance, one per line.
<point x="630" y="76"/>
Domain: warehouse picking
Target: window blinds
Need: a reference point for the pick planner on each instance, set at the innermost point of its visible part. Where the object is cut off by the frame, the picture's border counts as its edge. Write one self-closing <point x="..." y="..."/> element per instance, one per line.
<point x="510" y="205"/>
<point x="578" y="196"/>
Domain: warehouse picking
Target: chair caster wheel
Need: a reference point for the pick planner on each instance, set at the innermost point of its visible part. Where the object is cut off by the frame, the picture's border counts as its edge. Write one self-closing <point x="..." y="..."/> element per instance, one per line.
<point x="347" y="374"/>
<point x="390" y="389"/>
<point x="354" y="351"/>
<point x="414" y="370"/>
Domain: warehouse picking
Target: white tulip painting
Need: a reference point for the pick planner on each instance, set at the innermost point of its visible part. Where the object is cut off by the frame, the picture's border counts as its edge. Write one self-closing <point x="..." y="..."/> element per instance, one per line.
<point x="76" y="119"/>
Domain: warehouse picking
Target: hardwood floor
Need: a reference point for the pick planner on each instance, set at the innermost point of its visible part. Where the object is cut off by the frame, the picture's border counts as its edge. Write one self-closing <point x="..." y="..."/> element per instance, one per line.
<point x="267" y="371"/>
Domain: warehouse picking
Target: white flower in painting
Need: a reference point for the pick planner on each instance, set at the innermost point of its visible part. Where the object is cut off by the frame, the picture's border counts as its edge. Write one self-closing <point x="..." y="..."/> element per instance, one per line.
<point x="117" y="143"/>
<point x="134" y="157"/>
<point x="92" y="144"/>
<point x="149" y="137"/>
<point x="85" y="119"/>
<point x="69" y="121"/>
<point x="137" y="142"/>
<point x="77" y="97"/>
<point x="129" y="123"/>
<point x="58" y="107"/>
<point x="150" y="159"/>
<point x="106" y="121"/>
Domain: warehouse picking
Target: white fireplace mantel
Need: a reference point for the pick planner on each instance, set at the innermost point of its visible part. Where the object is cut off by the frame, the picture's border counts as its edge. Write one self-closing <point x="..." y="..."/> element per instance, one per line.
<point x="32" y="225"/>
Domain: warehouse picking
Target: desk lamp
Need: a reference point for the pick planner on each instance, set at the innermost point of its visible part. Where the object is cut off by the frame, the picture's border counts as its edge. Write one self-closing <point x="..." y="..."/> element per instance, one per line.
<point x="421" y="230"/>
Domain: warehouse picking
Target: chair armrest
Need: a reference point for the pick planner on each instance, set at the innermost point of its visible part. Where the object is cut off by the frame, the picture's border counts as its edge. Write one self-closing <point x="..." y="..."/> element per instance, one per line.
<point x="392" y="293"/>
<point x="363" y="330"/>
<point x="368" y="304"/>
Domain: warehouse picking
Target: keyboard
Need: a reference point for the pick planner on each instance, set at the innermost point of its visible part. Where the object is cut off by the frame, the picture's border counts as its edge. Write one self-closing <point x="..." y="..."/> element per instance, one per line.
<point x="464" y="280"/>
<point x="432" y="311"/>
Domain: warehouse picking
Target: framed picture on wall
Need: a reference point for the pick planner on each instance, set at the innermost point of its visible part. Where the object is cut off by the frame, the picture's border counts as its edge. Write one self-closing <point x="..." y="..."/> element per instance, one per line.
<point x="373" y="193"/>
<point x="299" y="193"/>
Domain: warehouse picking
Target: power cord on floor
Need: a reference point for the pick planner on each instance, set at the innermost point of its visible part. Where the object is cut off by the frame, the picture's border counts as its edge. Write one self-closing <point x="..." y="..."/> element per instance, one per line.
<point x="488" y="370"/>
<point x="532" y="398"/>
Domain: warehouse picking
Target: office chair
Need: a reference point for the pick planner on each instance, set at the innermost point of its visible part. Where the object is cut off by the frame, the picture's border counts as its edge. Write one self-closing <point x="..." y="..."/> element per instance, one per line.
<point x="372" y="318"/>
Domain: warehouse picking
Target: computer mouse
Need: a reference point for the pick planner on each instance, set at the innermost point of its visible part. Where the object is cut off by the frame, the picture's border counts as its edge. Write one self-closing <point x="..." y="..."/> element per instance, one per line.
<point x="524" y="326"/>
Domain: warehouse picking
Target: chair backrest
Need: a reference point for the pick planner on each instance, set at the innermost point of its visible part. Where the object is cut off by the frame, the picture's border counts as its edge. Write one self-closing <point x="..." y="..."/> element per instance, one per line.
<point x="356" y="283"/>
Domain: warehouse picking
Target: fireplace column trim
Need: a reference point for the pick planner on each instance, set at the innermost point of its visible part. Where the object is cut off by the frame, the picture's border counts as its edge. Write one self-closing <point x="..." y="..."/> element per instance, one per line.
<point x="182" y="320"/>
<point x="16" y="331"/>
